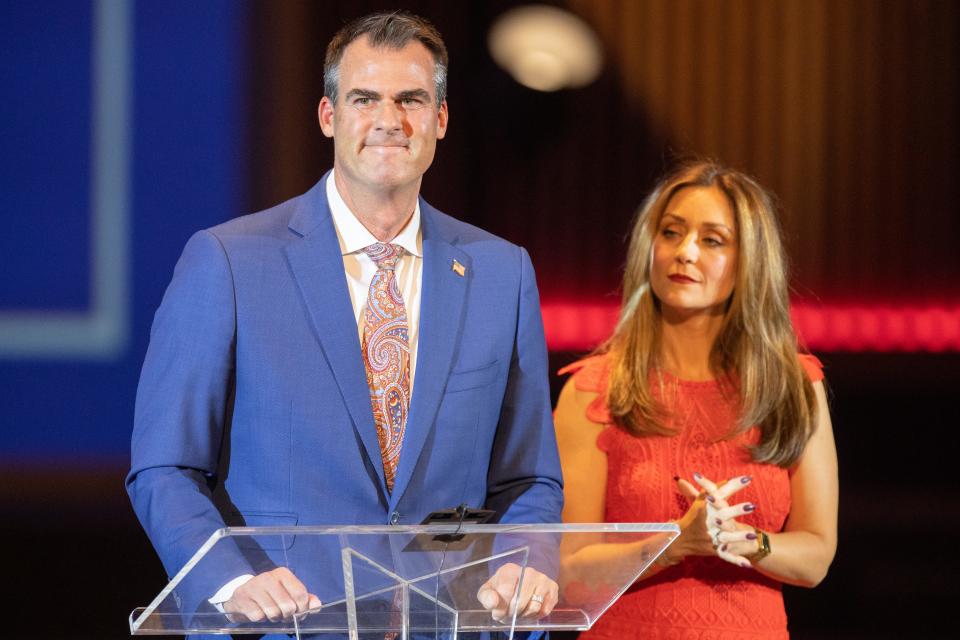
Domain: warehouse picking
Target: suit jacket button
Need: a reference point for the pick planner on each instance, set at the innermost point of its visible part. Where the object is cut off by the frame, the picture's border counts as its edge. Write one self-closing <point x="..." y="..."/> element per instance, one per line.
<point x="395" y="517"/>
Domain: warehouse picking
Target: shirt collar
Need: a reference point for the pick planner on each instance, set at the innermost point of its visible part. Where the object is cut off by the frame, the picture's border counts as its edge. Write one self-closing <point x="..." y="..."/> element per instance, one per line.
<point x="353" y="236"/>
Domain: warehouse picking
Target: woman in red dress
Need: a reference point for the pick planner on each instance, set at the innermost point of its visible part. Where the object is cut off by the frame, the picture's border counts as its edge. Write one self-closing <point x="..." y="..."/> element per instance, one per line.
<point x="699" y="394"/>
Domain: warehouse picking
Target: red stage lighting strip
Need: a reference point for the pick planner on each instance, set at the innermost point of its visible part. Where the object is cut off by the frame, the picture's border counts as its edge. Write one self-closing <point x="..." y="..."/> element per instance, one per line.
<point x="823" y="327"/>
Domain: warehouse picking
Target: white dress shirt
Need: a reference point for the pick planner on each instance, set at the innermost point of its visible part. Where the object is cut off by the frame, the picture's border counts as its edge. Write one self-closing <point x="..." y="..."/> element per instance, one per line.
<point x="360" y="269"/>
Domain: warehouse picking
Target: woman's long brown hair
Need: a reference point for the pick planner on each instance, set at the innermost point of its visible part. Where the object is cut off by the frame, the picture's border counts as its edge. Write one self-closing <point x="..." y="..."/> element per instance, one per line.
<point x="756" y="345"/>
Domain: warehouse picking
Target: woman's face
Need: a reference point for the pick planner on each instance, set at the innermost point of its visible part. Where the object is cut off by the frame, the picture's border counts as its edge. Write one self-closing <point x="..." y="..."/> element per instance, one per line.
<point x="695" y="253"/>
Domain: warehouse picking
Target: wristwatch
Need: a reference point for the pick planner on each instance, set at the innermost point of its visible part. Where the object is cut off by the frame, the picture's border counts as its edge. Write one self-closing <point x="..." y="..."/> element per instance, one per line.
<point x="763" y="546"/>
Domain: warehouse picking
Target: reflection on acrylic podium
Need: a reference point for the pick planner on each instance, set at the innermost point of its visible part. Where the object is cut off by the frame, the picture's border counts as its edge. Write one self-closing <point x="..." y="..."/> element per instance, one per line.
<point x="411" y="581"/>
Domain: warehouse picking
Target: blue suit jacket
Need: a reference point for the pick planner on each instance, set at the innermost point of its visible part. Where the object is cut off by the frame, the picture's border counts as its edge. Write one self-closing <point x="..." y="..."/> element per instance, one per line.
<point x="253" y="405"/>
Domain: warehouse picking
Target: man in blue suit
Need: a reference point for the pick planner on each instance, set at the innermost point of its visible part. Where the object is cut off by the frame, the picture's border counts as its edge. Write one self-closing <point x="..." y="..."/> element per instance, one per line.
<point x="257" y="405"/>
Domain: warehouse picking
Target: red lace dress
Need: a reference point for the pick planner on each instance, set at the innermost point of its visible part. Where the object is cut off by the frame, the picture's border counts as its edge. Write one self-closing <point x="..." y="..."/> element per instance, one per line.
<point x="701" y="598"/>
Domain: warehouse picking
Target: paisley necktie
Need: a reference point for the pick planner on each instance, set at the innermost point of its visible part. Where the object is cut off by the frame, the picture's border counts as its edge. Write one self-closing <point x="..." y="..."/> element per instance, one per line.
<point x="386" y="355"/>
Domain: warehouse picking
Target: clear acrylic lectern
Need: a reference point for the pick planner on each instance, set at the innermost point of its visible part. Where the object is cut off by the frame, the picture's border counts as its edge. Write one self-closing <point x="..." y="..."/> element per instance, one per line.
<point x="412" y="581"/>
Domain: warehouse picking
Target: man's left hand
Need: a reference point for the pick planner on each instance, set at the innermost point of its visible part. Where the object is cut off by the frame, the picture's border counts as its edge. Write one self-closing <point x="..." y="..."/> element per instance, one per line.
<point x="538" y="593"/>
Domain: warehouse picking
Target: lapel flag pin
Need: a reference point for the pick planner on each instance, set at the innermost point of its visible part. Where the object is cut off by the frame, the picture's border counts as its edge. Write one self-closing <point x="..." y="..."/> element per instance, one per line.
<point x="459" y="269"/>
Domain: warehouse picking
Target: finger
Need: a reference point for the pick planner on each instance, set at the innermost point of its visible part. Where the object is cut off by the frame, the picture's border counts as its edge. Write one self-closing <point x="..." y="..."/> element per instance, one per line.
<point x="726" y="553"/>
<point x="542" y="593"/>
<point x="507" y="591"/>
<point x="728" y="524"/>
<point x="551" y="599"/>
<point x="715" y="524"/>
<point x="243" y="608"/>
<point x="541" y="597"/>
<point x="524" y="604"/>
<point x="492" y="601"/>
<point x="267" y="605"/>
<point x="277" y="597"/>
<point x="731" y="486"/>
<point x="741" y="535"/>
<point x="287" y="605"/>
<point x="715" y="503"/>
<point x="714" y="533"/>
<point x="252" y="599"/>
<point x="272" y="597"/>
<point x="706" y="483"/>
<point x="735" y="511"/>
<point x="236" y="613"/>
<point x="296" y="591"/>
<point x="313" y="605"/>
<point x="688" y="490"/>
<point x="530" y="603"/>
<point x="744" y="548"/>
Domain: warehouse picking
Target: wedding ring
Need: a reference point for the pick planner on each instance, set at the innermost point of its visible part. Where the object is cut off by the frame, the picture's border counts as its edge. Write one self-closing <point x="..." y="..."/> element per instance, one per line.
<point x="715" y="537"/>
<point x="536" y="598"/>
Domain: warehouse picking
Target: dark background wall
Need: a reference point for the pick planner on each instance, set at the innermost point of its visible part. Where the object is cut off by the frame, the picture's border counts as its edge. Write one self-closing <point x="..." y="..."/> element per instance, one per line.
<point x="844" y="108"/>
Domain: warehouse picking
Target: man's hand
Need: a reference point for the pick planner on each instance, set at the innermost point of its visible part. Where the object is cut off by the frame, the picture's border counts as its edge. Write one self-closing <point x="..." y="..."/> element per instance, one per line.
<point x="538" y="593"/>
<point x="274" y="595"/>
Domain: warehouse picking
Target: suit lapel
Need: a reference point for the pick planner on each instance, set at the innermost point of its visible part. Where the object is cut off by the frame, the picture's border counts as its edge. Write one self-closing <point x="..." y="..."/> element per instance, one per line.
<point x="441" y="321"/>
<point x="317" y="266"/>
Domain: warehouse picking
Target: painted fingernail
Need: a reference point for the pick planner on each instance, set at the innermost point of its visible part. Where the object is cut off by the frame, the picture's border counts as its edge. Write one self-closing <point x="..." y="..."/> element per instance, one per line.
<point x="723" y="548"/>
<point x="711" y="499"/>
<point x="675" y="478"/>
<point x="751" y="536"/>
<point x="745" y="479"/>
<point x="697" y="475"/>
<point x="748" y="508"/>
<point x="718" y="521"/>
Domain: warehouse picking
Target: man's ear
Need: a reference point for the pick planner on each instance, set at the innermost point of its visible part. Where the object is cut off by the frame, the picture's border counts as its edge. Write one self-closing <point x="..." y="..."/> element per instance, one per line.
<point x="443" y="116"/>
<point x="325" y="115"/>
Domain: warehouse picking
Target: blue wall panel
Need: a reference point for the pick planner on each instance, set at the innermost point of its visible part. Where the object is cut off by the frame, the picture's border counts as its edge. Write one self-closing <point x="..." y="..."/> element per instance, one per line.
<point x="44" y="157"/>
<point x="188" y="127"/>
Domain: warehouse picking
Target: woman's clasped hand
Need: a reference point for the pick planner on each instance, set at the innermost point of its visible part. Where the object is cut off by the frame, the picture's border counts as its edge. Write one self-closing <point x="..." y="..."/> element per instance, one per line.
<point x="710" y="526"/>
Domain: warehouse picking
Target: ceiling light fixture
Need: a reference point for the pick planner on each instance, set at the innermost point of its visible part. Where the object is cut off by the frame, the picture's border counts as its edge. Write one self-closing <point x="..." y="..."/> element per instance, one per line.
<point x="546" y="48"/>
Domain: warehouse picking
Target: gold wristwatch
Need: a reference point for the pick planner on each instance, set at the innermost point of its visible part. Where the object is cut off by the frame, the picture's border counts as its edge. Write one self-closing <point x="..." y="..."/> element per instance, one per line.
<point x="763" y="546"/>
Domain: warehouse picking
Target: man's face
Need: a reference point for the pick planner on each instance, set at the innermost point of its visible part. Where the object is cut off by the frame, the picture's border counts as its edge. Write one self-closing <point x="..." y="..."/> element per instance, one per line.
<point x="386" y="122"/>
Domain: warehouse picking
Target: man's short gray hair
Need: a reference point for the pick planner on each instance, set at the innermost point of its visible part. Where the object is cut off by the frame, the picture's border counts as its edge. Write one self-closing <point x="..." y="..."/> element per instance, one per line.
<point x="394" y="30"/>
